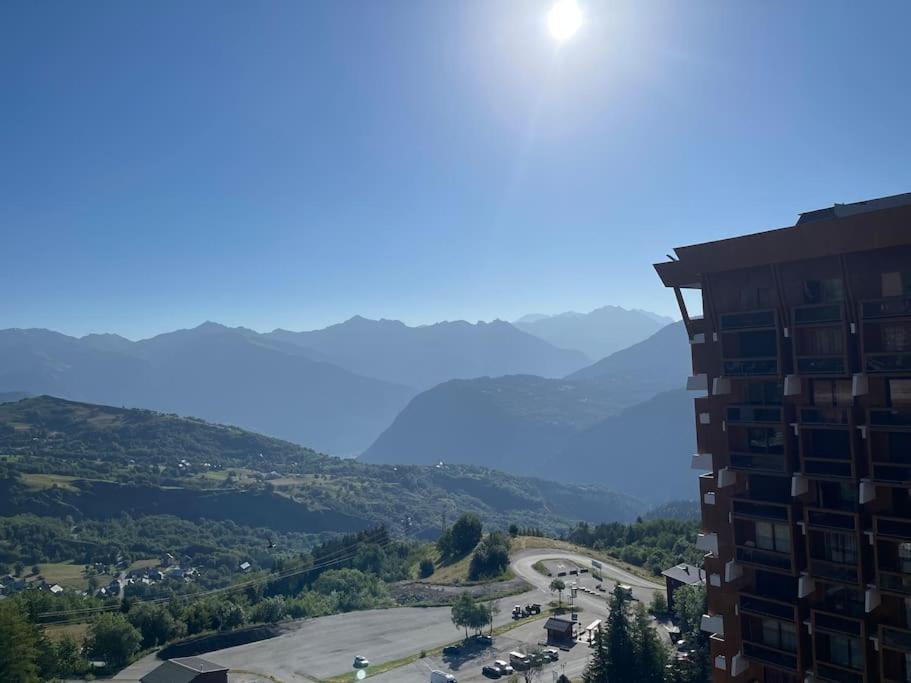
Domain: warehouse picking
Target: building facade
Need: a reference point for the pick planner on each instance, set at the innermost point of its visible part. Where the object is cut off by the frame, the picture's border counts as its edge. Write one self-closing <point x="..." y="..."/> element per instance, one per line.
<point x="803" y="354"/>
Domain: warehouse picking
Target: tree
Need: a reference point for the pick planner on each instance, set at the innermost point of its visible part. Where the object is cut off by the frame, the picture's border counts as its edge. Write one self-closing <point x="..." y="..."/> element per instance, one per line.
<point x="154" y="622"/>
<point x="689" y="606"/>
<point x="270" y="610"/>
<point x="230" y="616"/>
<point x="558" y="586"/>
<point x="491" y="557"/>
<point x="426" y="567"/>
<point x="614" y="658"/>
<point x="18" y="646"/>
<point x="466" y="532"/>
<point x="19" y="567"/>
<point x="650" y="653"/>
<point x="513" y="529"/>
<point x="468" y="614"/>
<point x="68" y="658"/>
<point x="659" y="605"/>
<point x="112" y="639"/>
<point x="36" y="569"/>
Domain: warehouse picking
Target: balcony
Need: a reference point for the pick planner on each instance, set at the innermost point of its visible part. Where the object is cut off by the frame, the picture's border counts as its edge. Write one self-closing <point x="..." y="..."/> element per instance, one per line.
<point x="761" y="606"/>
<point x="831" y="520"/>
<point x="886" y="324"/>
<point x="750" y="343"/>
<point x="770" y="463"/>
<point x="893" y="572"/>
<point x="754" y="414"/>
<point x="890" y="308"/>
<point x="820" y="340"/>
<point x="827" y="443"/>
<point x="833" y="545"/>
<point x="839" y="648"/>
<point x="749" y="320"/>
<point x="779" y="647"/>
<point x="748" y="508"/>
<point x="889" y="446"/>
<point x="765" y="559"/>
<point x="895" y="651"/>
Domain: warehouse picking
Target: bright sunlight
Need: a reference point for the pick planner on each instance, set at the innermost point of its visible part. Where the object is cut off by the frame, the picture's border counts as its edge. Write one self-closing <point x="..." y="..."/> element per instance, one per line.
<point x="564" y="19"/>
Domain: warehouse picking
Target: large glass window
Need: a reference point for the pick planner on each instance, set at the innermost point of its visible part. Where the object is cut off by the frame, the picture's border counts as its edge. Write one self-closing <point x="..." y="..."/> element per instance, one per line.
<point x="844" y="651"/>
<point x="827" y="393"/>
<point x="781" y="635"/>
<point x="775" y="537"/>
<point x="765" y="440"/>
<point x="762" y="393"/>
<point x="823" y="291"/>
<point x="900" y="392"/>
<point x="839" y="548"/>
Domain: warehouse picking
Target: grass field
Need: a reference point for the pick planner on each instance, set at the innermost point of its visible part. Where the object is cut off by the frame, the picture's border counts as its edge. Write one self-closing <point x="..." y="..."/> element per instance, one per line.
<point x="457" y="573"/>
<point x="46" y="481"/>
<point x="74" y="631"/>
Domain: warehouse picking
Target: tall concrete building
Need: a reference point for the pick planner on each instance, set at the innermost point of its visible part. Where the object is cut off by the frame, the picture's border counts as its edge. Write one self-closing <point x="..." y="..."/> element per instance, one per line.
<point x="804" y="434"/>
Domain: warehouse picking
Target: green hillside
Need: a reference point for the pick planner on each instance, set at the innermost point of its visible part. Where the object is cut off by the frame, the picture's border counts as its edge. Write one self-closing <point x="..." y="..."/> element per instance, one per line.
<point x="86" y="462"/>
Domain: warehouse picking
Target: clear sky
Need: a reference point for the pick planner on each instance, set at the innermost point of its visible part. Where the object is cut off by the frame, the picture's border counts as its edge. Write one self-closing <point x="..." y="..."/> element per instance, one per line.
<point x="295" y="163"/>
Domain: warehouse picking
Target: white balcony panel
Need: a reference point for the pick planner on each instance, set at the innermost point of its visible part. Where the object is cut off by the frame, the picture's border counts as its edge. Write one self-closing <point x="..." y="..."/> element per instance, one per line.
<point x="707" y="542"/>
<point x="702" y="461"/>
<point x="697" y="382"/>
<point x="712" y="623"/>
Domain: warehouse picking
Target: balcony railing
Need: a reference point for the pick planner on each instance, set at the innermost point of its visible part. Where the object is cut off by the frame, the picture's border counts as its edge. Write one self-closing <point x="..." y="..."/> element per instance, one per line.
<point x="889" y="419"/>
<point x="764" y="558"/>
<point x="894" y="582"/>
<point x="888" y="361"/>
<point x="895" y="638"/>
<point x="749" y="320"/>
<point x="892" y="527"/>
<point x="758" y="462"/>
<point x="815" y="314"/>
<point x="835" y="571"/>
<point x="828" y="468"/>
<point x="825" y="672"/>
<point x="834" y="623"/>
<point x="763" y="607"/>
<point x="819" y="518"/>
<point x="821" y="365"/>
<point x="894" y="307"/>
<point x="747" y="414"/>
<point x="768" y="655"/>
<point x="812" y="415"/>
<point x="751" y="367"/>
<point x="755" y="509"/>
<point x="891" y="473"/>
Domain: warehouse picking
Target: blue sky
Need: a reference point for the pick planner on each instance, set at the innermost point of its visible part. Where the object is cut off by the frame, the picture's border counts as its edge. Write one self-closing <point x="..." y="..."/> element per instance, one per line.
<point x="295" y="163"/>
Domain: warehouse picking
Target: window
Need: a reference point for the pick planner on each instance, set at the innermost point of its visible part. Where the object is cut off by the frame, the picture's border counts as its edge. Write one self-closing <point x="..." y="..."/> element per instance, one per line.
<point x="837" y="496"/>
<point x="762" y="393"/>
<point x="900" y="392"/>
<point x="776" y="537"/>
<point x="831" y="393"/>
<point x="904" y="557"/>
<point x="844" y="651"/>
<point x="896" y="338"/>
<point x="839" y="548"/>
<point x="820" y="341"/>
<point x="779" y="634"/>
<point x="896" y="284"/>
<point x="765" y="440"/>
<point x="823" y="291"/>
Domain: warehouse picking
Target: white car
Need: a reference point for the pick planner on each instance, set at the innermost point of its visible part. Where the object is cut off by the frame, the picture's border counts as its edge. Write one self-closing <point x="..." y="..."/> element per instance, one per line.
<point x="361" y="662"/>
<point x="504" y="667"/>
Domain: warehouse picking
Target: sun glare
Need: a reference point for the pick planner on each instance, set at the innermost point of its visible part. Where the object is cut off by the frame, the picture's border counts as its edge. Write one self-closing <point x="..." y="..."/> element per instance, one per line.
<point x="564" y="19"/>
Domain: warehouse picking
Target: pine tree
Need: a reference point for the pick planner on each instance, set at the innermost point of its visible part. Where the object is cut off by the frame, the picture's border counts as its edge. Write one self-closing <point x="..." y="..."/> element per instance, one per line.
<point x="621" y="660"/>
<point x="596" y="671"/>
<point x="650" y="653"/>
<point x="18" y="647"/>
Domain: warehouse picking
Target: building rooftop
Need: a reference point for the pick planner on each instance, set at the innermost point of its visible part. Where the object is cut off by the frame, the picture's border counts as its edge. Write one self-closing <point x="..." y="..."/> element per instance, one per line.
<point x="555" y="624"/>
<point x="844" y="228"/>
<point x="685" y="573"/>
<point x="181" y="670"/>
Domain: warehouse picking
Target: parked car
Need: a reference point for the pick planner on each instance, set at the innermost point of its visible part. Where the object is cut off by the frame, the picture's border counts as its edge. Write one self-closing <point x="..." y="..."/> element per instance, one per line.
<point x="361" y="662"/>
<point x="552" y="653"/>
<point x="491" y="671"/>
<point x="627" y="589"/>
<point x="483" y="638"/>
<point x="442" y="677"/>
<point x="451" y="650"/>
<point x="504" y="667"/>
<point x="601" y="588"/>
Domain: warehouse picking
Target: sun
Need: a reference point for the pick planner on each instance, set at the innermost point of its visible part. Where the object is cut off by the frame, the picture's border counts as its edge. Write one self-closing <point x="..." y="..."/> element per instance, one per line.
<point x="564" y="19"/>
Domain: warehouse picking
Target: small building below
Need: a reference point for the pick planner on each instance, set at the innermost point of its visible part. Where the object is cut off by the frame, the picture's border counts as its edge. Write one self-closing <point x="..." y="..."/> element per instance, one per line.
<point x="558" y="630"/>
<point x="681" y="575"/>
<point x="187" y="670"/>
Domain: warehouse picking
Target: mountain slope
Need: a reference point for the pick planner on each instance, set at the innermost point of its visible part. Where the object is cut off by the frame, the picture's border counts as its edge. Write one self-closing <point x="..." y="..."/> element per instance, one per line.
<point x="99" y="458"/>
<point x="424" y="356"/>
<point x="597" y="333"/>
<point x="644" y="451"/>
<point x="521" y="423"/>
<point x="218" y="373"/>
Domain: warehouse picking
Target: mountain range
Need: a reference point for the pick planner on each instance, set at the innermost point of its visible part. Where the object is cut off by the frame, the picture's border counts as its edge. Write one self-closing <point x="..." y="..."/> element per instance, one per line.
<point x="584" y="427"/>
<point x="335" y="389"/>
<point x="598" y="333"/>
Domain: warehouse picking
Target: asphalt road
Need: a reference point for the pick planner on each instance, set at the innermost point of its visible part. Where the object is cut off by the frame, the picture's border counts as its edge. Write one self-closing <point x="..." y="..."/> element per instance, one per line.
<point x="319" y="648"/>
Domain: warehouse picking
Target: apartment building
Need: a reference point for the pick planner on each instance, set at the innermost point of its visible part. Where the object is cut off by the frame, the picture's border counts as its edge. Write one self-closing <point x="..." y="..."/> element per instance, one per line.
<point x="803" y="354"/>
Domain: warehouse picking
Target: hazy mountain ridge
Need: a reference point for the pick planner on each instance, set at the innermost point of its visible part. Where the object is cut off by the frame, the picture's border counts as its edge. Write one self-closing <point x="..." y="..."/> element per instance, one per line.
<point x="427" y="355"/>
<point x="532" y="425"/>
<point x="597" y="333"/>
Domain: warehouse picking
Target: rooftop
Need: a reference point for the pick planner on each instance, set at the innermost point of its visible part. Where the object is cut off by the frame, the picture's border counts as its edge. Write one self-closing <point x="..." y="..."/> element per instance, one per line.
<point x="685" y="573"/>
<point x="181" y="670"/>
<point x="841" y="229"/>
